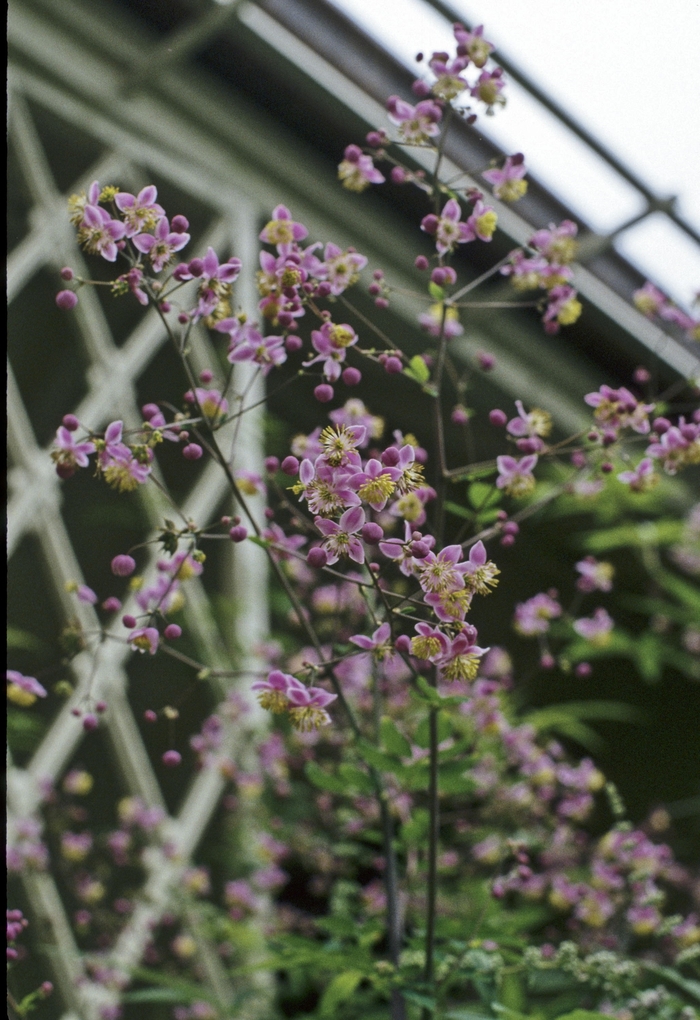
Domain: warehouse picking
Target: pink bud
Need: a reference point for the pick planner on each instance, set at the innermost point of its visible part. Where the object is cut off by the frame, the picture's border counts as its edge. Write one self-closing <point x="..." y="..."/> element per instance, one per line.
<point x="378" y="274"/>
<point x="323" y="393"/>
<point x="317" y="557"/>
<point x="606" y="467"/>
<point x="419" y="550"/>
<point x="486" y="360"/>
<point x="547" y="661"/>
<point x="641" y="375"/>
<point x="238" y="534"/>
<point x="269" y="513"/>
<point x="421" y="262"/>
<point x="150" y="716"/>
<point x="352" y="153"/>
<point x="165" y="306"/>
<point x="578" y="458"/>
<point x="393" y="365"/>
<point x="374" y="289"/>
<point x="507" y="541"/>
<point x="46" y="989"/>
<point x="193" y="451"/>
<point x="498" y="417"/>
<point x="398" y="175"/>
<point x="403" y="644"/>
<point x="90" y="723"/>
<point x="129" y="621"/>
<point x="420" y="88"/>
<point x="381" y="302"/>
<point x="123" y="565"/>
<point x="111" y="604"/>
<point x="293" y="344"/>
<point x="583" y="669"/>
<point x="352" y="376"/>
<point x="206" y="376"/>
<point x="528" y="445"/>
<point x="171" y="759"/>
<point x="290" y="465"/>
<point x="67" y="274"/>
<point x="429" y="223"/>
<point x="71" y="422"/>
<point x="661" y="425"/>
<point x="66" y="299"/>
<point x="511" y="528"/>
<point x="183" y="318"/>
<point x="179" y="223"/>
<point x="323" y="289"/>
<point x="272" y="465"/>
<point x="459" y="415"/>
<point x="172" y="632"/>
<point x="375" y="139"/>
<point x="443" y="276"/>
<point x="76" y="712"/>
<point x="390" y="457"/>
<point x="150" y="411"/>
<point x="372" y="532"/>
<point x="196" y="267"/>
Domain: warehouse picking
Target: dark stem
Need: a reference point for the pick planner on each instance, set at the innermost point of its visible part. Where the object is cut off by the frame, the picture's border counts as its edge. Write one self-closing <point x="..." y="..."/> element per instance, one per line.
<point x="434" y="807"/>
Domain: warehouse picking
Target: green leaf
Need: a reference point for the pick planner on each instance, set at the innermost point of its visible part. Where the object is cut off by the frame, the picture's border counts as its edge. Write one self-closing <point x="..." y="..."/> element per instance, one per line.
<point x="392" y="739"/>
<point x="684" y="591"/>
<point x="416" y="829"/>
<point x="482" y="496"/>
<point x="459" y="511"/>
<point x="24" y="730"/>
<point x="319" y="777"/>
<point x="22" y="640"/>
<point x="436" y="292"/>
<point x="154" y="995"/>
<point x="444" y="730"/>
<point x="339" y="991"/>
<point x="453" y="778"/>
<point x="611" y="711"/>
<point x="418" y="370"/>
<point x="662" y="532"/>
<point x="465" y="1014"/>
<point x="355" y="778"/>
<point x="377" y="759"/>
<point x="583" y="1014"/>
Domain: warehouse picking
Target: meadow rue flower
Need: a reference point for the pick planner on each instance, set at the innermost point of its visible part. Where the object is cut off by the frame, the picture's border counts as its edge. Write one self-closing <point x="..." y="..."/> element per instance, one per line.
<point x="140" y="212"/>
<point x="75" y="846"/>
<point x="489" y="88"/>
<point x="649" y="300"/>
<point x="327" y="490"/>
<point x="272" y="693"/>
<point x="473" y="45"/>
<point x="379" y="644"/>
<point x="434" y="322"/>
<point x="405" y="553"/>
<point x="447" y="228"/>
<point x="444" y="571"/>
<point x="340" y="539"/>
<point x="481" y="224"/>
<point x="340" y="269"/>
<point x="508" y="183"/>
<point x="416" y="124"/>
<point x="563" y="308"/>
<point x="98" y="232"/>
<point x="267" y="352"/>
<point x="70" y="453"/>
<point x="376" y="483"/>
<point x="282" y="231"/>
<point x="596" y="575"/>
<point x="533" y="617"/>
<point x="161" y="245"/>
<point x="357" y="170"/>
<point x="618" y="408"/>
<point x="144" y="639"/>
<point x="449" y="83"/>
<point x="678" y="447"/>
<point x="340" y="441"/>
<point x="480" y="573"/>
<point x="642" y="478"/>
<point x="536" y="423"/>
<point x="515" y="476"/>
<point x="212" y="403"/>
<point x="354" y="412"/>
<point x="307" y="709"/>
<point x="23" y="690"/>
<point x="331" y="342"/>
<point x="597" y="628"/>
<point x="461" y="659"/>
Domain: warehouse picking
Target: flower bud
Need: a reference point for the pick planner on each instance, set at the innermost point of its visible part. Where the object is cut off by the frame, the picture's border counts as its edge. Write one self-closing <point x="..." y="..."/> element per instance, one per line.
<point x="578" y="458"/>
<point x="375" y="139"/>
<point x="196" y="267"/>
<point x="352" y="376"/>
<point x="150" y="716"/>
<point x="206" y="376"/>
<point x="393" y="365"/>
<point x="459" y="415"/>
<point x="606" y="467"/>
<point x="381" y="302"/>
<point x="183" y="318"/>
<point x="123" y="565"/>
<point x="352" y="153"/>
<point x="111" y="604"/>
<point x="429" y="223"/>
<point x="323" y="393"/>
<point x="641" y="375"/>
<point x="421" y="262"/>
<point x="290" y="466"/>
<point x="238" y="534"/>
<point x="90" y="722"/>
<point x="171" y="759"/>
<point x="419" y="550"/>
<point x="46" y="989"/>
<point x="193" y="451"/>
<point x="129" y="621"/>
<point x="507" y="541"/>
<point x="420" y="88"/>
<point x="498" y="417"/>
<point x="528" y="445"/>
<point x="583" y="669"/>
<point x="547" y="661"/>
<point x="67" y="274"/>
<point x="323" y="289"/>
<point x="172" y="632"/>
<point x="66" y="300"/>
<point x="293" y="344"/>
<point x="179" y="223"/>
<point x="661" y="425"/>
<point x="443" y="276"/>
<point x="272" y="465"/>
<point x="71" y="422"/>
<point x="486" y="361"/>
<point x="511" y="528"/>
<point x="316" y="557"/>
<point x="398" y="175"/>
<point x="403" y="644"/>
<point x="165" y="306"/>
<point x="372" y="532"/>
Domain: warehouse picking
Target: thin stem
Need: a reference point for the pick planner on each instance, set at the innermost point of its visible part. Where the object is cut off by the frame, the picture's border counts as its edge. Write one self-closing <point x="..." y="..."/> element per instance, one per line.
<point x="434" y="830"/>
<point x="479" y="280"/>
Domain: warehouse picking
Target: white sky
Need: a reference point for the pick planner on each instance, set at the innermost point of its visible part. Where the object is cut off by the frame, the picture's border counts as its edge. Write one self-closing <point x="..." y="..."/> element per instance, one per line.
<point x="628" y="70"/>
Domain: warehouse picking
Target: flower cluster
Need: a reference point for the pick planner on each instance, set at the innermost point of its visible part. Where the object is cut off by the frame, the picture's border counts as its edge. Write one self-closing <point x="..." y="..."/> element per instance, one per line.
<point x="548" y="267"/>
<point x="652" y="302"/>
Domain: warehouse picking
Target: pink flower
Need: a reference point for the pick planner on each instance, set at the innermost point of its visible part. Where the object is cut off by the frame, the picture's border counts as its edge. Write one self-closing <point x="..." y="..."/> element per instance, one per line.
<point x="557" y="244"/>
<point x="616" y="409"/>
<point x="473" y="45"/>
<point x="516" y="476"/>
<point x="98" y="232"/>
<point x="595" y="575"/>
<point x="642" y="479"/>
<point x="563" y="308"/>
<point x="508" y="183"/>
<point x="430" y="644"/>
<point x="417" y="124"/>
<point x="649" y="300"/>
<point x="449" y="82"/>
<point x="144" y="639"/>
<point x="533" y="617"/>
<point x="161" y="245"/>
<point x="378" y="644"/>
<point x="282" y="230"/>
<point x="533" y="425"/>
<point x="340" y="539"/>
<point x="272" y="693"/>
<point x="357" y="171"/>
<point x="70" y="453"/>
<point x="460" y="661"/>
<point x="402" y="551"/>
<point x="481" y="223"/>
<point x="308" y="706"/>
<point x="488" y="88"/>
<point x="443" y="572"/>
<point x="141" y="212"/>
<point x="432" y="322"/>
<point x="23" y="690"/>
<point x="376" y="483"/>
<point x="449" y="231"/>
<point x="267" y="352"/>
<point x="331" y="341"/>
<point x="341" y="269"/>
<point x="597" y="628"/>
